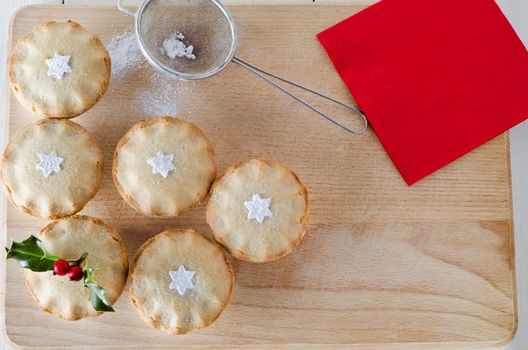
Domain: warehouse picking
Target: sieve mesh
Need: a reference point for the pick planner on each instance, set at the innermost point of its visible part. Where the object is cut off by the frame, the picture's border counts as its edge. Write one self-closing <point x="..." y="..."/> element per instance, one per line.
<point x="206" y="25"/>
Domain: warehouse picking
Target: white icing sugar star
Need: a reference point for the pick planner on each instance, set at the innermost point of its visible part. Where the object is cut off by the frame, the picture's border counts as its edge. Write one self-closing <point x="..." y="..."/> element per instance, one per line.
<point x="181" y="280"/>
<point x="49" y="163"/>
<point x="58" y="65"/>
<point x="162" y="163"/>
<point x="258" y="208"/>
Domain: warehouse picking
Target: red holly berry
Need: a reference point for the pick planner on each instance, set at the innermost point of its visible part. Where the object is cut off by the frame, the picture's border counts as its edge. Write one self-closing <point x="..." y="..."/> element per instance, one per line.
<point x="76" y="273"/>
<point x="61" y="267"/>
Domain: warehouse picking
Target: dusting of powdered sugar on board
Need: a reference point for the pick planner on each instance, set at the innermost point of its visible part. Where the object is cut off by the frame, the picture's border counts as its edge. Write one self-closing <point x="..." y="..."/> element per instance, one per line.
<point x="125" y="53"/>
<point x="159" y="93"/>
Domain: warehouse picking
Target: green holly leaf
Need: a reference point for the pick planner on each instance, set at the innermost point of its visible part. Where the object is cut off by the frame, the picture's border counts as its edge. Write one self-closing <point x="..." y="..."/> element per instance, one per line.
<point x="31" y="255"/>
<point x="97" y="295"/>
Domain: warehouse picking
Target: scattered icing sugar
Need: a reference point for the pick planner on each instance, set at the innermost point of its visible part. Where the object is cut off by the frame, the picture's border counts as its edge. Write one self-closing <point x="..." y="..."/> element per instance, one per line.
<point x="49" y="163"/>
<point x="181" y="280"/>
<point x="258" y="208"/>
<point x="125" y="53"/>
<point x="58" y="65"/>
<point x="162" y="164"/>
<point x="174" y="46"/>
<point x="159" y="93"/>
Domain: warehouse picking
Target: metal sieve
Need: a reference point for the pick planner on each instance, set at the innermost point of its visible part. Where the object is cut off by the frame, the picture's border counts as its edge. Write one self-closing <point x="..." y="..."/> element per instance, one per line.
<point x="208" y="25"/>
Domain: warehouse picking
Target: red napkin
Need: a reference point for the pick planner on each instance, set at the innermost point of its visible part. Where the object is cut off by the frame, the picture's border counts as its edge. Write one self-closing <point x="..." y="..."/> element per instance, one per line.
<point x="436" y="78"/>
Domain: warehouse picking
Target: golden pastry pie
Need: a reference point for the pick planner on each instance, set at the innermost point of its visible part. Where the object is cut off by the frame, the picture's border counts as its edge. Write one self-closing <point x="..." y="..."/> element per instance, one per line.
<point x="164" y="166"/>
<point x="59" y="70"/>
<point x="51" y="168"/>
<point x="69" y="238"/>
<point x="258" y="210"/>
<point x="180" y="281"/>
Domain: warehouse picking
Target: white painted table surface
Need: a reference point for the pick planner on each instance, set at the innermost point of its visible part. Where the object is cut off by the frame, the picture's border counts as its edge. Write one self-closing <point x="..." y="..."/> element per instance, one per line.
<point x="517" y="13"/>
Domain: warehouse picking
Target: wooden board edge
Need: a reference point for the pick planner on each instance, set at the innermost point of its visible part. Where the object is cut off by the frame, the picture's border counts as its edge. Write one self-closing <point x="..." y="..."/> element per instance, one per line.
<point x="515" y="320"/>
<point x="296" y="346"/>
<point x="8" y="343"/>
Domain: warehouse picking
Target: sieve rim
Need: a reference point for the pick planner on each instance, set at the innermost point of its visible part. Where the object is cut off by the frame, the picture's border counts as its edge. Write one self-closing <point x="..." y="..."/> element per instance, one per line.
<point x="188" y="76"/>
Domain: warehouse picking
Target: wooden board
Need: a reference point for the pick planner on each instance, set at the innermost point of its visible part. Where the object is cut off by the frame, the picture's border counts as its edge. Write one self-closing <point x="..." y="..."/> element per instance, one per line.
<point x="424" y="266"/>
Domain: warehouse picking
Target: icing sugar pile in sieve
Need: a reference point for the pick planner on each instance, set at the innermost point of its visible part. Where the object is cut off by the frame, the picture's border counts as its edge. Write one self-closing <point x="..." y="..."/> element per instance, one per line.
<point x="174" y="47"/>
<point x="155" y="93"/>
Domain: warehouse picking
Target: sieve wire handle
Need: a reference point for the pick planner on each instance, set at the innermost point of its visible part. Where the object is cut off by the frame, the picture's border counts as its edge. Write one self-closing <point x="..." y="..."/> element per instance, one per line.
<point x="264" y="76"/>
<point x="124" y="9"/>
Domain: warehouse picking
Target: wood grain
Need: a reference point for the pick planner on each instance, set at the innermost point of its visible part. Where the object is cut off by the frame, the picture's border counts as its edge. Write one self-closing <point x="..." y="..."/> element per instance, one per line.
<point x="382" y="263"/>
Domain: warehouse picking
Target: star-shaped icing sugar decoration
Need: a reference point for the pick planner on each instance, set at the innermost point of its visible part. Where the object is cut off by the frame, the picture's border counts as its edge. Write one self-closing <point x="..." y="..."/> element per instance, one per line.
<point x="162" y="163"/>
<point x="49" y="163"/>
<point x="258" y="208"/>
<point x="58" y="65"/>
<point x="181" y="280"/>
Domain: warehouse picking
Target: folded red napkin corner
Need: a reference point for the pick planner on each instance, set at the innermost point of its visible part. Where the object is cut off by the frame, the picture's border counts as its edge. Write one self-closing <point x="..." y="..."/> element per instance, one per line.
<point x="436" y="78"/>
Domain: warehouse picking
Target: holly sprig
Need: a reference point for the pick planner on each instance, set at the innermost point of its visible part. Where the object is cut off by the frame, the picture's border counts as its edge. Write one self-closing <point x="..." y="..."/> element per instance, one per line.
<point x="31" y="255"/>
